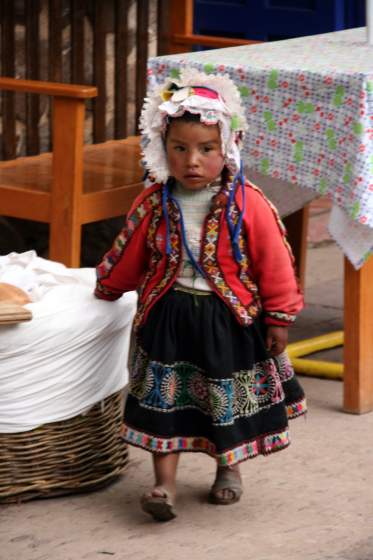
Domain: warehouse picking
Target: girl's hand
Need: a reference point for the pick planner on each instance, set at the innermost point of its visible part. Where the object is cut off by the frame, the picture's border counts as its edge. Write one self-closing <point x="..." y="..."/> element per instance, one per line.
<point x="276" y="339"/>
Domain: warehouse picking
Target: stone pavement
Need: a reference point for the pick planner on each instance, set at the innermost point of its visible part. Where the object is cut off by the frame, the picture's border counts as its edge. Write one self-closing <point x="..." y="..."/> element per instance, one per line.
<point x="313" y="501"/>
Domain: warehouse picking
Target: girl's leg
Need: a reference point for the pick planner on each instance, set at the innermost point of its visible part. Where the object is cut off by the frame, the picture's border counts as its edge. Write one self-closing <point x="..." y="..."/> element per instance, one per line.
<point x="165" y="467"/>
<point x="159" y="502"/>
<point x="227" y="488"/>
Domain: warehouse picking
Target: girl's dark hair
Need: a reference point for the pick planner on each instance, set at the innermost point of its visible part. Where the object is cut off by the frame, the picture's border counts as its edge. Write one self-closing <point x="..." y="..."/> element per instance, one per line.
<point x="185" y="117"/>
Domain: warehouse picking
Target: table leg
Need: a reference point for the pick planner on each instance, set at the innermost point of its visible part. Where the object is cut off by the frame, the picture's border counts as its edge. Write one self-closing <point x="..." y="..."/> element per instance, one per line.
<point x="358" y="346"/>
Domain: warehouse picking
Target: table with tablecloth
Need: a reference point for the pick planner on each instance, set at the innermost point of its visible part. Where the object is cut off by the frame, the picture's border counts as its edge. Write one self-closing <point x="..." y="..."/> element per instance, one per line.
<point x="309" y="107"/>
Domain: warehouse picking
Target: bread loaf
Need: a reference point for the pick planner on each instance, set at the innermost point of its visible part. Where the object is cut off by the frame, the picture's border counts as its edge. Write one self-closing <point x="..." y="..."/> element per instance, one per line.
<point x="10" y="293"/>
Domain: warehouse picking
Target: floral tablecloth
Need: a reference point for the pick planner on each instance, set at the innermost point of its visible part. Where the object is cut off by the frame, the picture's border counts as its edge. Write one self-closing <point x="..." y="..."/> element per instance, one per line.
<point x="309" y="106"/>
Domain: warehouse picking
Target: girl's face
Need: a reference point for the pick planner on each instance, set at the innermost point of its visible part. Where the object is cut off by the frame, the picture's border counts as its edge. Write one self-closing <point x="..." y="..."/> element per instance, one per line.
<point x="194" y="153"/>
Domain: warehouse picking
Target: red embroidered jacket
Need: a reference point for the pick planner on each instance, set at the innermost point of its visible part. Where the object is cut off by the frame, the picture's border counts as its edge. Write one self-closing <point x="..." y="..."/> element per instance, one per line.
<point x="264" y="280"/>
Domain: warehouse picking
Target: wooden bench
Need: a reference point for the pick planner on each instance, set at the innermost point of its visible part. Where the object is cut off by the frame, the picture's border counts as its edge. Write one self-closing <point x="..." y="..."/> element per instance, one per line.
<point x="73" y="185"/>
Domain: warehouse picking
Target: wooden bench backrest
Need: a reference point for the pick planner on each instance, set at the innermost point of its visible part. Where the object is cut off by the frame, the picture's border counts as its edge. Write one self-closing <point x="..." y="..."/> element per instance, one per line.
<point x="105" y="43"/>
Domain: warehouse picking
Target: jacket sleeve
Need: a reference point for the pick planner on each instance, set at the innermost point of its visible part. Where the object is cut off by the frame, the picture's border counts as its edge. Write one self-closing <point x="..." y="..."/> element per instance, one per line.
<point x="272" y="262"/>
<point x="124" y="265"/>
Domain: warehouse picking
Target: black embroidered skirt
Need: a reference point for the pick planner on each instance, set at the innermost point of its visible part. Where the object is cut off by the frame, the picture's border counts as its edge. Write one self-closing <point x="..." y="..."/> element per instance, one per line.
<point x="199" y="381"/>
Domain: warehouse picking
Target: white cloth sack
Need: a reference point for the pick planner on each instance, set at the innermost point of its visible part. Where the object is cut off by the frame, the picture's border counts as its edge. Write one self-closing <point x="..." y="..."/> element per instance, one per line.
<point x="71" y="355"/>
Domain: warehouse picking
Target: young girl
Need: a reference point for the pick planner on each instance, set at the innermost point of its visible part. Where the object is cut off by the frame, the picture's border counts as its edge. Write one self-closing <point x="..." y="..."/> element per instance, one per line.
<point x="216" y="292"/>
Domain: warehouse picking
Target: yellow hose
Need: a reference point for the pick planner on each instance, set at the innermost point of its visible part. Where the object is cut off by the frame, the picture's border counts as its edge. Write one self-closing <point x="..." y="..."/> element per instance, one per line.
<point x="317" y="368"/>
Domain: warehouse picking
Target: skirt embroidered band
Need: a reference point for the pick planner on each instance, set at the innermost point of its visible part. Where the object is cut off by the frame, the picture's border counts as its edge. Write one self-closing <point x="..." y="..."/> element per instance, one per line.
<point x="199" y="381"/>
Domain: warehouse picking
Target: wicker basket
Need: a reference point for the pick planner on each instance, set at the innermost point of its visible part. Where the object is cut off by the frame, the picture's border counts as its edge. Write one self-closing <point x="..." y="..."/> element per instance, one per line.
<point x="75" y="455"/>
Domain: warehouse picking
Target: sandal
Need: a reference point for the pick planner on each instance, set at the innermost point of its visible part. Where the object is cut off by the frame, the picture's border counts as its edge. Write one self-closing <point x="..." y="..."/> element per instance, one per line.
<point x="160" y="507"/>
<point x="226" y="479"/>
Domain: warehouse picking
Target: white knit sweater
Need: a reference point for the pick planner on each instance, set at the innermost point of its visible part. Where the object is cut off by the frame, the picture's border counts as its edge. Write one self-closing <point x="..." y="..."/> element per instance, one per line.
<point x="195" y="206"/>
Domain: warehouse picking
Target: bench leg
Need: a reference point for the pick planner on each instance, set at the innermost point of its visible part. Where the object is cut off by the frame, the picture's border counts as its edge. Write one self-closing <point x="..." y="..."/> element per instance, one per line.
<point x="358" y="346"/>
<point x="296" y="225"/>
<point x="67" y="188"/>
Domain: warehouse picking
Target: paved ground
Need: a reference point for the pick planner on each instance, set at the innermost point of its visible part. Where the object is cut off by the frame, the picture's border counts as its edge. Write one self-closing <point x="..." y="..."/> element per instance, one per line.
<point x="313" y="501"/>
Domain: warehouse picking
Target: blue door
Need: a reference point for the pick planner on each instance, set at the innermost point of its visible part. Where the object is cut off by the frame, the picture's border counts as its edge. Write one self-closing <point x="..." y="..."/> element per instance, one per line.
<point x="273" y="20"/>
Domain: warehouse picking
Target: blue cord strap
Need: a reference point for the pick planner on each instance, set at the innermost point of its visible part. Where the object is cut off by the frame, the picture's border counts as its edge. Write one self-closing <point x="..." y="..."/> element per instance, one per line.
<point x="235" y="229"/>
<point x="166" y="217"/>
<point x="195" y="264"/>
<point x="166" y="196"/>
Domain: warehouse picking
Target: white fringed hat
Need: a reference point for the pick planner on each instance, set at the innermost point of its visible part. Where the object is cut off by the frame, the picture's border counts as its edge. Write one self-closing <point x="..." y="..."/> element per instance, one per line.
<point x="215" y="98"/>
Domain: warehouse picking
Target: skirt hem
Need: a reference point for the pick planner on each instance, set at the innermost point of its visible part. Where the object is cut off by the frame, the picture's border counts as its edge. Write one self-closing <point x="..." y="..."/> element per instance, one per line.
<point x="296" y="409"/>
<point x="262" y="445"/>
